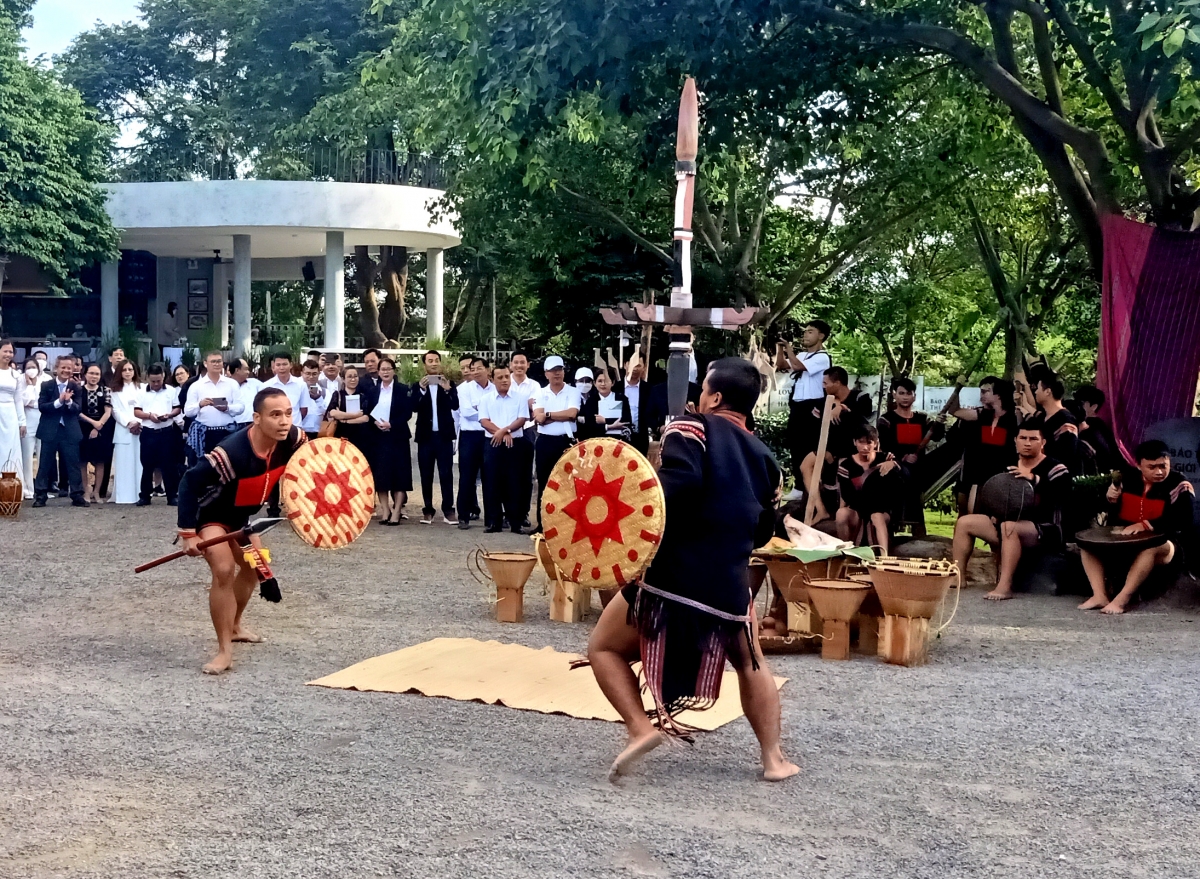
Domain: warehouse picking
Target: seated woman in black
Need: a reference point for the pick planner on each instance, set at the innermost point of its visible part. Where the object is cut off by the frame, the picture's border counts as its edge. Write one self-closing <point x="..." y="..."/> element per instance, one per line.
<point x="1151" y="498"/>
<point x="870" y="485"/>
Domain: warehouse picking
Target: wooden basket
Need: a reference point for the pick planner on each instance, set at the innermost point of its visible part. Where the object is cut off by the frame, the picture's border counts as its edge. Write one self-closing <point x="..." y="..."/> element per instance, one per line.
<point x="911" y="591"/>
<point x="509" y="571"/>
<point x="837" y="601"/>
<point x="911" y="587"/>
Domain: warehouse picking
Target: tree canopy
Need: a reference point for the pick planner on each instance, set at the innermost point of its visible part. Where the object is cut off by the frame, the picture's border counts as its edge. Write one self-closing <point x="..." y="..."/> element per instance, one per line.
<point x="53" y="156"/>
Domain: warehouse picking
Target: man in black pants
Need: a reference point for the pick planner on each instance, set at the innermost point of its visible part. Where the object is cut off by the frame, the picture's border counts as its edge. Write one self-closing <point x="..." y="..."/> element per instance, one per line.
<point x="60" y="433"/>
<point x="162" y="444"/>
<point x="502" y="415"/>
<point x="435" y="399"/>
<point x="555" y="408"/>
<point x="471" y="440"/>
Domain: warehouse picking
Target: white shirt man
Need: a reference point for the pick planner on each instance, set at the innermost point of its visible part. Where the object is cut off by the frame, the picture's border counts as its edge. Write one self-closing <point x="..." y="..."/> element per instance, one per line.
<point x="206" y="393"/>
<point x="523" y="384"/>
<point x="503" y="409"/>
<point x="549" y="402"/>
<point x="470" y="394"/>
<point x="290" y="385"/>
<point x="313" y="401"/>
<point x="248" y="388"/>
<point x="156" y="404"/>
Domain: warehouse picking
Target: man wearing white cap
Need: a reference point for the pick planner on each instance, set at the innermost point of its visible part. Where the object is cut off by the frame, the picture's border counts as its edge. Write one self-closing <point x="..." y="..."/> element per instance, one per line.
<point x="555" y="408"/>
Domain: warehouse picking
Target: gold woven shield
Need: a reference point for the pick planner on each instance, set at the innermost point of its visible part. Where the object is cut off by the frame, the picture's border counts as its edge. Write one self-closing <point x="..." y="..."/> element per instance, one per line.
<point x="328" y="492"/>
<point x="602" y="513"/>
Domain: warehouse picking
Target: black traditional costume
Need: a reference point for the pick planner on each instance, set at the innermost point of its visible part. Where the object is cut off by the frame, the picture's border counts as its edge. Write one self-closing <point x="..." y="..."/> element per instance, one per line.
<point x="232" y="482"/>
<point x="1165" y="507"/>
<point x="720" y="483"/>
<point x="988" y="448"/>
<point x="1051" y="491"/>
<point x="901" y="436"/>
<point x="1061" y="431"/>
<point x="865" y="490"/>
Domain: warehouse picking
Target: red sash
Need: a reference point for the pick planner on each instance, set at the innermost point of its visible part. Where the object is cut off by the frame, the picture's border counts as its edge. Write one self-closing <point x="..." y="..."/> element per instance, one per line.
<point x="909" y="434"/>
<point x="254" y="490"/>
<point x="993" y="436"/>
<point x="1138" y="508"/>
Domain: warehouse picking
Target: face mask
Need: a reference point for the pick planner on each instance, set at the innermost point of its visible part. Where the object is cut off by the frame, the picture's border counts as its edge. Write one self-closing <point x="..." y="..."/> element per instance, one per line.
<point x="41" y="363"/>
<point x="33" y="372"/>
<point x="583" y="387"/>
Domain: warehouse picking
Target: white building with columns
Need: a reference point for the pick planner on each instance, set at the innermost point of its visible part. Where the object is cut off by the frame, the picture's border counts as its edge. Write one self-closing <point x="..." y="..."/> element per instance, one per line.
<point x="271" y="229"/>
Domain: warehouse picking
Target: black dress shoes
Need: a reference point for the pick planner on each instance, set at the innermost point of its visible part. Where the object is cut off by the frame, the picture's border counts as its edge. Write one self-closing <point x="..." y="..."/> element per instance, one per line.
<point x="80" y="502"/>
<point x="143" y="502"/>
<point x="39" y="503"/>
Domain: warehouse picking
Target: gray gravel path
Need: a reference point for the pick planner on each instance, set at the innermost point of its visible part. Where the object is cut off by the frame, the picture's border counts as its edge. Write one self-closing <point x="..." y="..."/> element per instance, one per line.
<point x="1039" y="742"/>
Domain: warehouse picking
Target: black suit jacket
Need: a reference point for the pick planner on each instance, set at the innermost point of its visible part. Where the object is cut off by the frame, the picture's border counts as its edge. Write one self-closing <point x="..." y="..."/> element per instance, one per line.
<point x="447" y="402"/>
<point x="401" y="410"/>
<point x="48" y="427"/>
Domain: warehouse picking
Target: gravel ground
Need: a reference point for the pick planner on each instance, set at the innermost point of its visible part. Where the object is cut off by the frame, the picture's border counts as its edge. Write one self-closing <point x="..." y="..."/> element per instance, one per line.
<point x="1040" y="741"/>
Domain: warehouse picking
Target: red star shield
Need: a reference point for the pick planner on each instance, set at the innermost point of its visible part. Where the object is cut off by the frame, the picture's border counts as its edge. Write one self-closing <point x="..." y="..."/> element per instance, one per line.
<point x="610" y="525"/>
<point x="320" y="498"/>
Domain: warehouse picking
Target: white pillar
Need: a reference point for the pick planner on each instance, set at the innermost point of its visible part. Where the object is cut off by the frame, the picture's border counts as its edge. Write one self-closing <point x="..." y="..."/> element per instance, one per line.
<point x="335" y="290"/>
<point x="241" y="294"/>
<point x="220" y="300"/>
<point x="433" y="294"/>
<point x="110" y="311"/>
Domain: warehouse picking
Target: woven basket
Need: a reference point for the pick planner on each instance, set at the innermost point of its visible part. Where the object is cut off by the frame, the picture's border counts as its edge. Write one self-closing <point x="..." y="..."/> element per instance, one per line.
<point x="837" y="599"/>
<point x="11" y="491"/>
<point x="328" y="492"/>
<point x="603" y="513"/>
<point x="911" y="587"/>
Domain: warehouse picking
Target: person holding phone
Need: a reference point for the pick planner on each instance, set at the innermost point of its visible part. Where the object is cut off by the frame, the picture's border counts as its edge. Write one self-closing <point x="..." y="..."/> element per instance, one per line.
<point x="213" y="402"/>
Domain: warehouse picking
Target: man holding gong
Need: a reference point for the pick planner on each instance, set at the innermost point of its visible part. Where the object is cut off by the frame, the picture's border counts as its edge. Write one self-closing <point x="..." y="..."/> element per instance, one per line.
<point x="1153" y="499"/>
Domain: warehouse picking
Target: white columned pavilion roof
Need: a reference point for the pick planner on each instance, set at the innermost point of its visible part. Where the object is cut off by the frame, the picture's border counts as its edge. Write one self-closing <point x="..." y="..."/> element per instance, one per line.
<point x="284" y="218"/>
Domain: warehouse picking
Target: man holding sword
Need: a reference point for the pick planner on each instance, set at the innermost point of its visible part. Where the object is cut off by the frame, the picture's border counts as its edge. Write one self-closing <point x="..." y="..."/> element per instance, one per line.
<point x="219" y="495"/>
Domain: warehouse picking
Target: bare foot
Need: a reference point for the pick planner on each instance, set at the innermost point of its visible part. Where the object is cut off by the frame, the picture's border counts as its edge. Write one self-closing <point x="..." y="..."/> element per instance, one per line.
<point x="246" y="636"/>
<point x="1113" y="607"/>
<point x="219" y="664"/>
<point x="998" y="595"/>
<point x="1093" y="603"/>
<point x="776" y="767"/>
<point x="634" y="751"/>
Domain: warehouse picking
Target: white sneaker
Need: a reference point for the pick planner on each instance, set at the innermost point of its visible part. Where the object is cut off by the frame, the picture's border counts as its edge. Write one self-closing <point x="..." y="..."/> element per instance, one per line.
<point x="427" y="518"/>
<point x="794" y="495"/>
<point x="450" y="520"/>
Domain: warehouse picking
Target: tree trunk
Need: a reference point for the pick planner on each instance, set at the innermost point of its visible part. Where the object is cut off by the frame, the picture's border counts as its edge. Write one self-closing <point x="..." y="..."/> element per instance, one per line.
<point x="365" y="270"/>
<point x="393" y="277"/>
<point x="1013" y="351"/>
<point x="462" y="307"/>
<point x="318" y="297"/>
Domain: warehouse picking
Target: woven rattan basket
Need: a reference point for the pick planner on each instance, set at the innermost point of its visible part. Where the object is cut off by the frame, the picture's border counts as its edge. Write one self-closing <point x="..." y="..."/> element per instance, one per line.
<point x="912" y="587"/>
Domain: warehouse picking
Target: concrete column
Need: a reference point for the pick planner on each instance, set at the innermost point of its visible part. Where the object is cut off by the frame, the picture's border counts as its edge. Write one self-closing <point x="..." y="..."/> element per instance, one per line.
<point x="110" y="311"/>
<point x="241" y="294"/>
<point x="220" y="300"/>
<point x="433" y="294"/>
<point x="335" y="290"/>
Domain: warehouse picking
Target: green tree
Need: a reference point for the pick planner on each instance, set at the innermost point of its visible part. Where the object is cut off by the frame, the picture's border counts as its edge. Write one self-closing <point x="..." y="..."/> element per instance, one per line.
<point x="1105" y="94"/>
<point x="53" y="155"/>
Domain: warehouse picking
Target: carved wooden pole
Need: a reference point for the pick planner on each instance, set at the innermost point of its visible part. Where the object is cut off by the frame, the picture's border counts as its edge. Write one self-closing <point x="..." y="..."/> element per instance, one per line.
<point x="686" y="149"/>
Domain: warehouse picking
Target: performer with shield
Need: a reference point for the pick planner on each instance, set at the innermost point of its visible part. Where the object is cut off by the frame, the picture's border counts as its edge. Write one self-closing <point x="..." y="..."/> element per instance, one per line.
<point x="1037" y="523"/>
<point x="1151" y="508"/>
<point x="692" y="608"/>
<point x="219" y="495"/>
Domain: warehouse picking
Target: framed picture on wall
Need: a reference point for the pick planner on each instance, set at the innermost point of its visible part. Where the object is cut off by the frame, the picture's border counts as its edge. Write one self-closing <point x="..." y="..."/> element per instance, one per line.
<point x="198" y="287"/>
<point x="197" y="305"/>
<point x="197" y="321"/>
